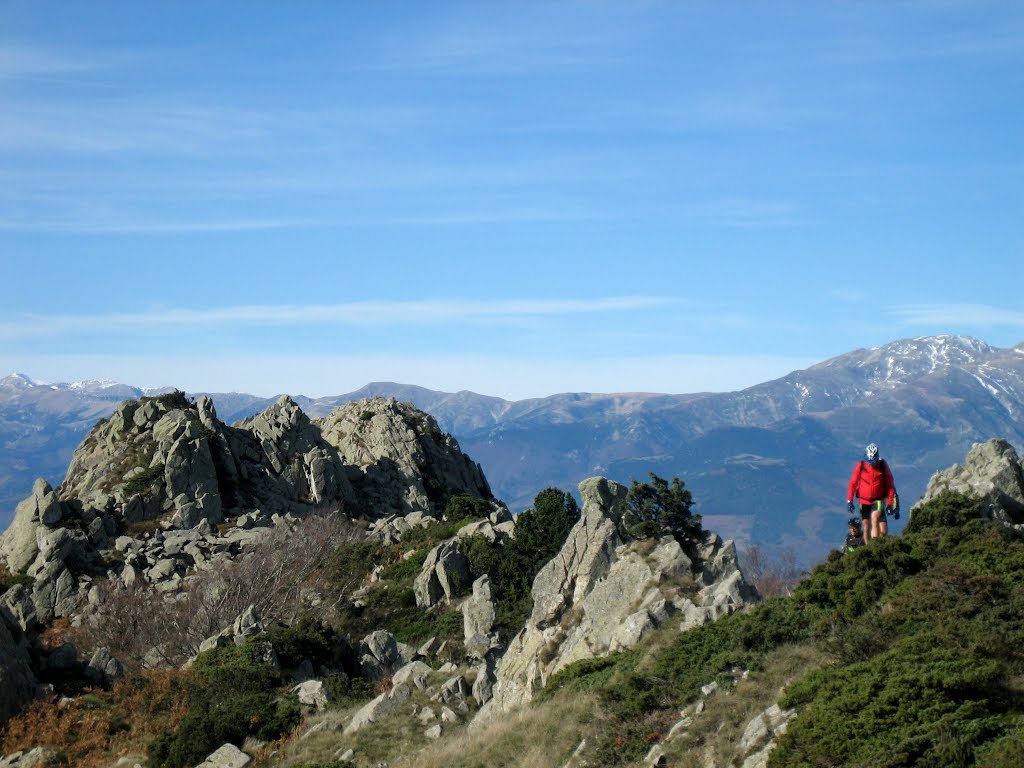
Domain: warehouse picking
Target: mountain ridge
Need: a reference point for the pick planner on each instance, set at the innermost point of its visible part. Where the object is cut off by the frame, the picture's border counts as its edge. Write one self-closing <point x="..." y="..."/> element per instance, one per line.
<point x="791" y="441"/>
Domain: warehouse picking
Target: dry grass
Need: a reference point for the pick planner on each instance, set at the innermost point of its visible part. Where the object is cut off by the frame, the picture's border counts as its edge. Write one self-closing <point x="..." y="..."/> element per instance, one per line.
<point x="538" y="736"/>
<point x="714" y="736"/>
<point x="97" y="727"/>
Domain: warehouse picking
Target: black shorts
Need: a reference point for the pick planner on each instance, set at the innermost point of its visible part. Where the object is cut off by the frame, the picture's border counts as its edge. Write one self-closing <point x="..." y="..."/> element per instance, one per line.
<point x="871" y="506"/>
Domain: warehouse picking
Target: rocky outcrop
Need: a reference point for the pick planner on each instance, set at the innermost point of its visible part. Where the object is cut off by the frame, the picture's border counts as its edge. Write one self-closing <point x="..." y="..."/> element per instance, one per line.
<point x="478" y="615"/>
<point x="399" y="459"/>
<point x="228" y="756"/>
<point x="293" y="461"/>
<point x="386" y="704"/>
<point x="993" y="472"/>
<point x="18" y="545"/>
<point x="600" y="595"/>
<point x="40" y="757"/>
<point x="382" y="655"/>
<point x="444" y="575"/>
<point x="171" y="460"/>
<point x="758" y="737"/>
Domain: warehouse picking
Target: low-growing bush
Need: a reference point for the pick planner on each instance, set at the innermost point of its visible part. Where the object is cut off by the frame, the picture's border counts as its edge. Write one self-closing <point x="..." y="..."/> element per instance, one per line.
<point x="8" y="580"/>
<point x="948" y="509"/>
<point x="309" y="639"/>
<point x="145" y="479"/>
<point x="460" y="507"/>
<point x="233" y="695"/>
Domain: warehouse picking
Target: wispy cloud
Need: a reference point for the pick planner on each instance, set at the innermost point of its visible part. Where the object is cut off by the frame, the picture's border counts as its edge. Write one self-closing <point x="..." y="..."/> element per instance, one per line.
<point x="746" y="212"/>
<point x="132" y="125"/>
<point x="133" y="223"/>
<point x="20" y="60"/>
<point x="360" y="313"/>
<point x="531" y="43"/>
<point x="960" y="314"/>
<point x="849" y="296"/>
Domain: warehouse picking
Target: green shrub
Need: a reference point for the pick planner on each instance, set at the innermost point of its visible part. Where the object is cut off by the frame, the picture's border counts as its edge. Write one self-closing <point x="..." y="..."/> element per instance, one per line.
<point x="460" y="507"/>
<point x="308" y="639"/>
<point x="8" y="580"/>
<point x="173" y="400"/>
<point x="407" y="568"/>
<point x="145" y="479"/>
<point x="344" y="690"/>
<point x="949" y="510"/>
<point x="659" y="508"/>
<point x="428" y="536"/>
<point x="351" y="562"/>
<point x="233" y="695"/>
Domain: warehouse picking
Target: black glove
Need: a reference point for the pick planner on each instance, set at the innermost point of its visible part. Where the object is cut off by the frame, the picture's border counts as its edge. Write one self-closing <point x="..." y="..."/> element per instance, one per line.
<point x="849" y="504"/>
<point x="895" y="513"/>
<point x="889" y="511"/>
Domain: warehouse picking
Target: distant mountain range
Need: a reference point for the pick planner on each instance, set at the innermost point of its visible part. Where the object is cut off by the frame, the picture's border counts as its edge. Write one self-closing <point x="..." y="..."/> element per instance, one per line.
<point x="767" y="464"/>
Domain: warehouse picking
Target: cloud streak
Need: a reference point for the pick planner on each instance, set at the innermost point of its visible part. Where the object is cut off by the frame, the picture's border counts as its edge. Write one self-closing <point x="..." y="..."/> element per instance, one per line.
<point x="361" y="313"/>
<point x="960" y="314"/>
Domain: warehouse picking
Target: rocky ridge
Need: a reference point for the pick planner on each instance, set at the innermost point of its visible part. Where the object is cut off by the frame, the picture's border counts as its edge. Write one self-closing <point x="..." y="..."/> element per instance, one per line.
<point x="992" y="472"/>
<point x="600" y="594"/>
<point x="164" y="490"/>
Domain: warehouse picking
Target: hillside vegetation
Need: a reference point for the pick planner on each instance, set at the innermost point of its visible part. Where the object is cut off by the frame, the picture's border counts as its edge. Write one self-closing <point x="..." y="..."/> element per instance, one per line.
<point x="906" y="652"/>
<point x="915" y="643"/>
<point x="156" y="628"/>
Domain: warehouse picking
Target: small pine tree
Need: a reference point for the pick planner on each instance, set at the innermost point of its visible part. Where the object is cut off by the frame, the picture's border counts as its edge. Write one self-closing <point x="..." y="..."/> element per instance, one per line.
<point x="660" y="508"/>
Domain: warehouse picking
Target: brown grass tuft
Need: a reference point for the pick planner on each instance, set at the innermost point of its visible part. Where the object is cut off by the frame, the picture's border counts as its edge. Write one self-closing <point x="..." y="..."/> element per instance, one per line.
<point x="96" y="727"/>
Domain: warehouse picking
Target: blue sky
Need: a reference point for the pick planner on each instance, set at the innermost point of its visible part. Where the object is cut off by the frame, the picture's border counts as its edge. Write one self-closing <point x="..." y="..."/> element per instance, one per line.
<point x="514" y="198"/>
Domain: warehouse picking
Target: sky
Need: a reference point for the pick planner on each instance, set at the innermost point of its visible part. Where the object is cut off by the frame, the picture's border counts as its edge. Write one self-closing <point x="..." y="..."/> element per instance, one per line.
<point x="517" y="198"/>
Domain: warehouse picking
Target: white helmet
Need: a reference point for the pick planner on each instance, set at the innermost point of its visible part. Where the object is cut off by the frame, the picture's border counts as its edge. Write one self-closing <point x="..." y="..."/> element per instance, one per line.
<point x="872" y="452"/>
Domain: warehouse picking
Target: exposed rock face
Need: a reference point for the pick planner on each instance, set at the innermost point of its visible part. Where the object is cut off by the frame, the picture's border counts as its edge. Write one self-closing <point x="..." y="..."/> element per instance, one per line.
<point x="302" y="465"/>
<point x="383" y="655"/>
<point x="385" y="704"/>
<point x="228" y="756"/>
<point x="598" y="595"/>
<point x="40" y="757"/>
<point x="18" y="545"/>
<point x="312" y="693"/>
<point x="400" y="461"/>
<point x="478" y="614"/>
<point x="17" y="683"/>
<point x="444" y="575"/>
<point x="760" y="735"/>
<point x="993" y="472"/>
<point x="171" y="460"/>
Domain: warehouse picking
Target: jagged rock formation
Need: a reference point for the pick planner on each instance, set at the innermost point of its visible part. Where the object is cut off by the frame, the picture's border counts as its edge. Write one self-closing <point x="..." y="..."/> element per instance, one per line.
<point x="478" y="614"/>
<point x="164" y="489"/>
<point x="599" y="595"/>
<point x="443" y="576"/>
<point x="228" y="756"/>
<point x="993" y="472"/>
<point x="40" y="757"/>
<point x="403" y="462"/>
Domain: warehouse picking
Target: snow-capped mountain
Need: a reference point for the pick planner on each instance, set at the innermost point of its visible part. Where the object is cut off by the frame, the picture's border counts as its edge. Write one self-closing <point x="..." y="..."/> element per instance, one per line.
<point x="769" y="463"/>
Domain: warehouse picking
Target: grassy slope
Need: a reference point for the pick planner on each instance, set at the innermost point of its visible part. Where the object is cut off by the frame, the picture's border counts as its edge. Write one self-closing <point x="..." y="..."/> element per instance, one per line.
<point x="918" y="641"/>
<point x="904" y="653"/>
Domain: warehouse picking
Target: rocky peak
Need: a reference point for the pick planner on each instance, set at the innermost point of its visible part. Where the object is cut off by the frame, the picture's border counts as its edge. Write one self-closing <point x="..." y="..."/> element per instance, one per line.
<point x="17" y="381"/>
<point x="600" y="594"/>
<point x="993" y="472"/>
<point x="401" y="461"/>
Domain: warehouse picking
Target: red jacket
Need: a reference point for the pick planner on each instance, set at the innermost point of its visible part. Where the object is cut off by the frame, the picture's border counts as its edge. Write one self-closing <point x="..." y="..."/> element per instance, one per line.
<point x="871" y="482"/>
